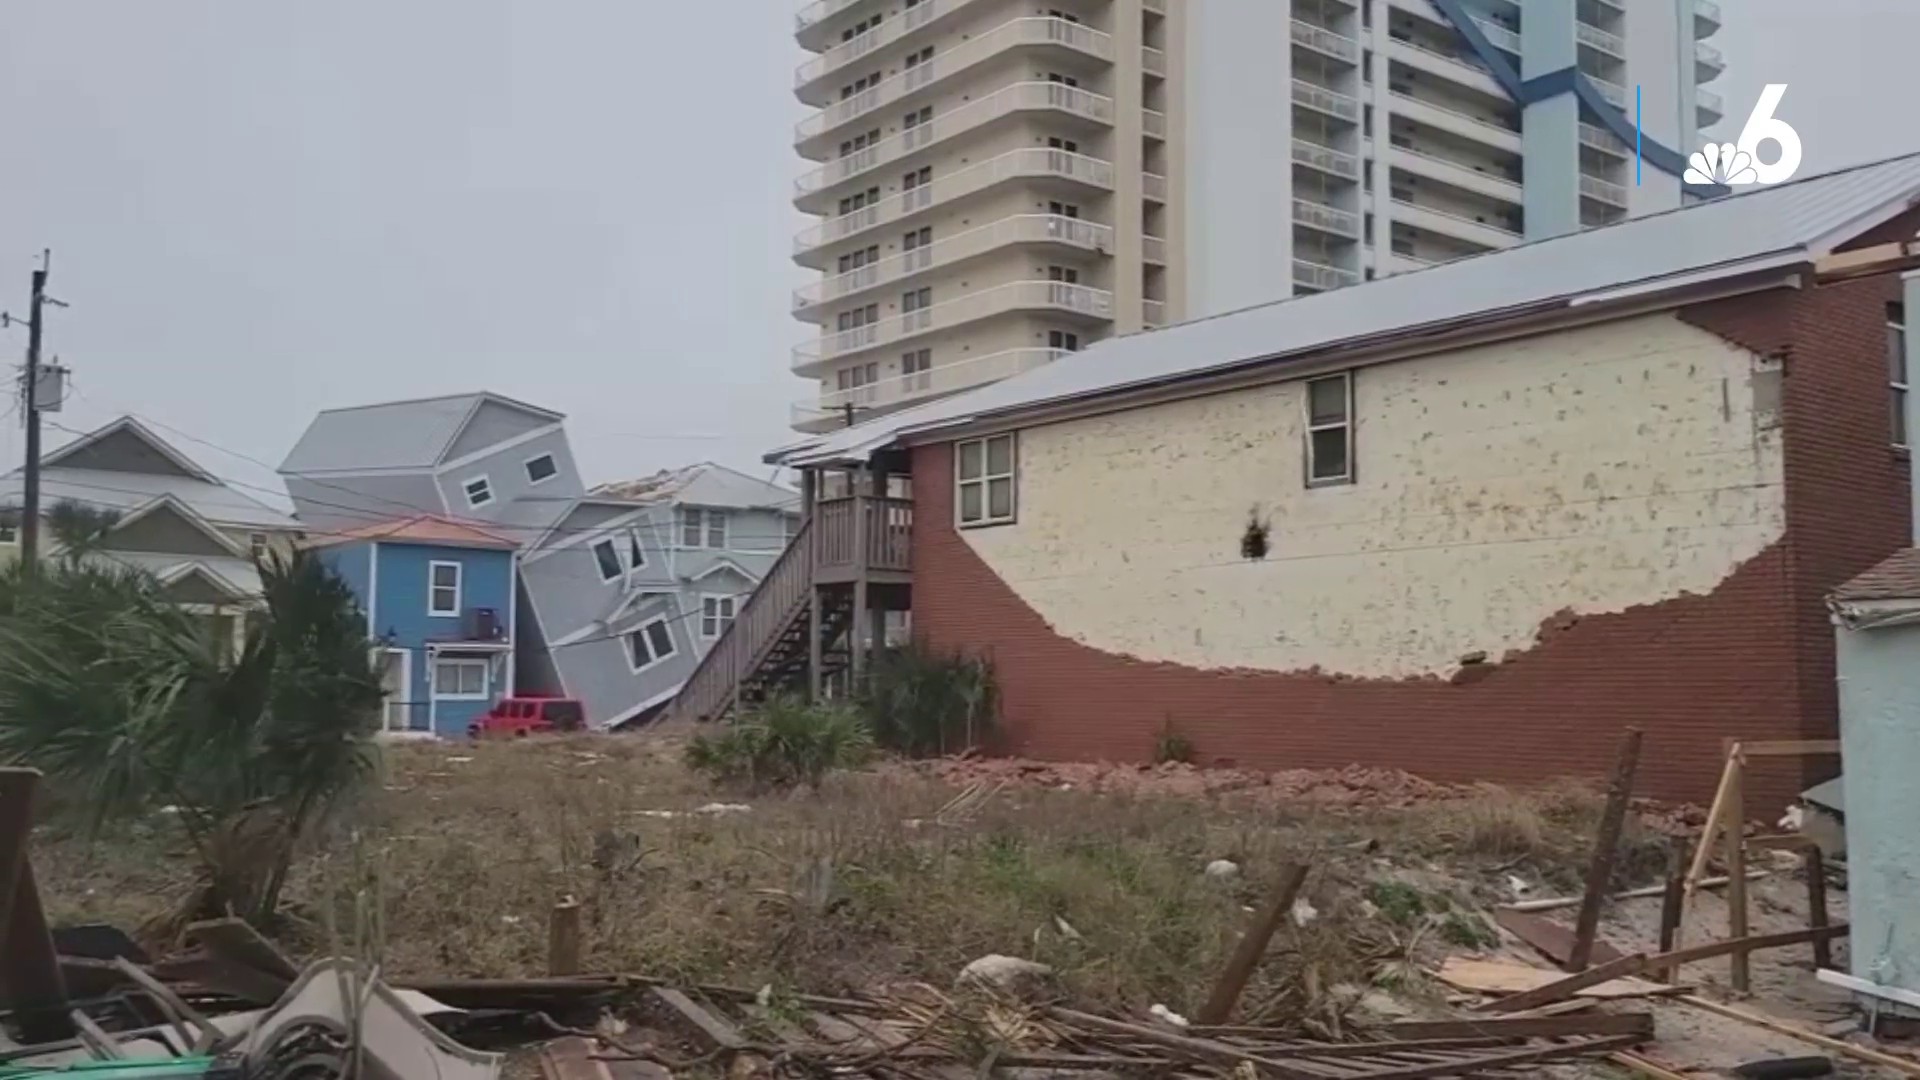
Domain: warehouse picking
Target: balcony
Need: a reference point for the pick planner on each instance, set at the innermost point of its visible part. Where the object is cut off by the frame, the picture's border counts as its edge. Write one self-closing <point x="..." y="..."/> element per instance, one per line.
<point x="1434" y="114"/>
<point x="1153" y="124"/>
<point x="1320" y="277"/>
<point x="1710" y="103"/>
<point x="1603" y="140"/>
<point x="1605" y="191"/>
<point x="828" y="411"/>
<point x="1500" y="36"/>
<point x="1153" y="314"/>
<point x="1325" y="41"/>
<point x="1455" y="65"/>
<point x="1488" y="182"/>
<point x="1153" y="249"/>
<point x="1328" y="219"/>
<point x="1016" y="33"/>
<point x="1606" y="42"/>
<point x="1326" y="159"/>
<point x="1153" y="61"/>
<point x="1051" y="296"/>
<point x="1708" y="12"/>
<point x="1331" y="102"/>
<point x="818" y="12"/>
<point x="1029" y="163"/>
<point x="810" y="189"/>
<point x="1017" y="229"/>
<point x="1153" y="186"/>
<point x="1481" y="234"/>
<point x="1615" y="94"/>
<point x="845" y="52"/>
<point x="1708" y="56"/>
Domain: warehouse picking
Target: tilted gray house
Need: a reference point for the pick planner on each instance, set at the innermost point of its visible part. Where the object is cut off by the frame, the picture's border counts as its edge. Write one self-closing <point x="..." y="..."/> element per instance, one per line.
<point x="622" y="588"/>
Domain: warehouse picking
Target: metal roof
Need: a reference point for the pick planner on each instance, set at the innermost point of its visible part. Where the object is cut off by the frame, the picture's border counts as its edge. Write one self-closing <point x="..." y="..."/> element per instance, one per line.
<point x="1720" y="238"/>
<point x="703" y="484"/>
<point x="1895" y="578"/>
<point x="389" y="435"/>
<point x="423" y="529"/>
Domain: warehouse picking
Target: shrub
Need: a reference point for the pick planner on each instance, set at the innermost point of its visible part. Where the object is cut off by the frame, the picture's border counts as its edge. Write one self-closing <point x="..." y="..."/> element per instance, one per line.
<point x="925" y="704"/>
<point x="1171" y="747"/>
<point x="782" y="743"/>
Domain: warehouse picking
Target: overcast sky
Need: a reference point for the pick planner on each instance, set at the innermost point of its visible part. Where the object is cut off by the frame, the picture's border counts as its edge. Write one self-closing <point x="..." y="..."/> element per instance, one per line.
<point x="262" y="208"/>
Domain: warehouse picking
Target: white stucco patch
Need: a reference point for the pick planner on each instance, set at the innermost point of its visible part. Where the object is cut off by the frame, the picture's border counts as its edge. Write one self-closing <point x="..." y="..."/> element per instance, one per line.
<point x="1595" y="469"/>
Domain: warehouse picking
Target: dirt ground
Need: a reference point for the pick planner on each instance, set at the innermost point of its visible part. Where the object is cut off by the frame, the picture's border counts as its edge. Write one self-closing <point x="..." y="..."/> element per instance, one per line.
<point x="906" y="871"/>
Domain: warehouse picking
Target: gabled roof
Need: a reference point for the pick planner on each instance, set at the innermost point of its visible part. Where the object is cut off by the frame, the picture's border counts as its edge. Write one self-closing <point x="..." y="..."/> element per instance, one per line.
<point x="704" y="483"/>
<point x="192" y="485"/>
<point x="1897" y="577"/>
<point x="1770" y="227"/>
<point x="237" y="577"/>
<point x="179" y="508"/>
<point x="412" y="434"/>
<point x="430" y="529"/>
<point x="129" y="426"/>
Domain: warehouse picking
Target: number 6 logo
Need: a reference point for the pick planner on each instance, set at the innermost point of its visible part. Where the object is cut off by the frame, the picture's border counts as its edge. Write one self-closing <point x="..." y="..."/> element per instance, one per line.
<point x="1762" y="126"/>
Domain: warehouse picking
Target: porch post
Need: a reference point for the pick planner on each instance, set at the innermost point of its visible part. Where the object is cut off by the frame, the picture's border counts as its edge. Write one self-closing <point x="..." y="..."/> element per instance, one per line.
<point x="862" y="618"/>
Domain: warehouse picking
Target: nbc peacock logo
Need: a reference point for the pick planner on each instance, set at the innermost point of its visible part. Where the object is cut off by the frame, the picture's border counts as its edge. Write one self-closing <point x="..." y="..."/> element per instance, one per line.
<point x="1738" y="163"/>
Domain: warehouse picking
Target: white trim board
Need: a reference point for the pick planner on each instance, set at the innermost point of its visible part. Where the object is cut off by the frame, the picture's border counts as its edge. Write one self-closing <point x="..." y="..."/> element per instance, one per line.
<point x="459" y="588"/>
<point x="492" y="448"/>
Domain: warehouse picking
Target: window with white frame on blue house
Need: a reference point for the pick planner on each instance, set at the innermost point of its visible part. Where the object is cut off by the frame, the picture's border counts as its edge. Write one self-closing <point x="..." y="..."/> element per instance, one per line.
<point x="460" y="679"/>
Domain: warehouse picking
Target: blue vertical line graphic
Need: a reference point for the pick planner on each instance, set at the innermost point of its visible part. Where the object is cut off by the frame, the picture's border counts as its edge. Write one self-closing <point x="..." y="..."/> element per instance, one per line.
<point x="1636" y="135"/>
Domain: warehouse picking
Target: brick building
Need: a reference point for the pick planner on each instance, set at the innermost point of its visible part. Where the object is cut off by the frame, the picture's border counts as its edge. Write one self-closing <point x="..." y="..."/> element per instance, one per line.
<point x="1472" y="521"/>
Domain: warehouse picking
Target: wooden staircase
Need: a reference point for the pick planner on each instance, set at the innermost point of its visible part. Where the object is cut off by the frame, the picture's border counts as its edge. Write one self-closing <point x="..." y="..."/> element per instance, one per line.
<point x="765" y="648"/>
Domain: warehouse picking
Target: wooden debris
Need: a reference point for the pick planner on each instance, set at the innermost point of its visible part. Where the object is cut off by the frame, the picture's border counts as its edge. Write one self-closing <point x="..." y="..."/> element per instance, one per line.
<point x="1550" y="903"/>
<point x="1740" y="946"/>
<point x="1645" y="1066"/>
<point x="1553" y="940"/>
<point x="1816" y="868"/>
<point x="1673" y="901"/>
<point x="563" y="937"/>
<point x="1600" y="872"/>
<point x="1554" y="991"/>
<point x="1495" y="977"/>
<point x="1253" y="946"/>
<point x="1523" y="1027"/>
<point x="1905" y="1066"/>
<point x="716" y="1032"/>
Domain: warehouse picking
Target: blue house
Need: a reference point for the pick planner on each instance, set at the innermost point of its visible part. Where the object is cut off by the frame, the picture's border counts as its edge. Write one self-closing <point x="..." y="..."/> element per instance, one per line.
<point x="439" y="597"/>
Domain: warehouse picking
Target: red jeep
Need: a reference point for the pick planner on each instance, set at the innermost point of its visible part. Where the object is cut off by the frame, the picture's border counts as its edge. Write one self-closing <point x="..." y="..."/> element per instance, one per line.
<point x="518" y="717"/>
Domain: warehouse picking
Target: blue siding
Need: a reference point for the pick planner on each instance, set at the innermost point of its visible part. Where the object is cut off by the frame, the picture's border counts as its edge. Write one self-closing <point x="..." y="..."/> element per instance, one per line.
<point x="352" y="564"/>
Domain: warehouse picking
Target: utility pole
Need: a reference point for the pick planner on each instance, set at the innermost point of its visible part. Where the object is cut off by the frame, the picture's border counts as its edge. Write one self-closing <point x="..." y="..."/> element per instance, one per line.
<point x="30" y="406"/>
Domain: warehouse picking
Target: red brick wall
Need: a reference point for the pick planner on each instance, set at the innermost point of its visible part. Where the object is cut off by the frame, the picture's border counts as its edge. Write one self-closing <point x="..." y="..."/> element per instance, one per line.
<point x="1753" y="658"/>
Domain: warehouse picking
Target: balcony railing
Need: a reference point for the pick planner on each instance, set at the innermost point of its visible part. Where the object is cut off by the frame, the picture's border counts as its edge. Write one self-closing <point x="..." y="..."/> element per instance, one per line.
<point x="1017" y="229"/>
<point x="1612" y="91"/>
<point x="1496" y="236"/>
<point x="1315" y="275"/>
<point x="1413" y="106"/>
<point x="1326" y="218"/>
<point x="1500" y="36"/>
<point x="1028" y="162"/>
<point x="1013" y="296"/>
<point x="1322" y="40"/>
<point x="1153" y="313"/>
<point x="1152" y="60"/>
<point x="1153" y="123"/>
<point x="1491" y="182"/>
<point x="1153" y="186"/>
<point x="843" y="527"/>
<point x="1326" y="159"/>
<point x="1009" y="99"/>
<point x="1709" y="55"/>
<point x="1603" y="140"/>
<point x="1710" y="101"/>
<point x="1606" y="42"/>
<point x="828" y="411"/>
<point x="1153" y="249"/>
<point x="820" y="11"/>
<point x="1324" y="100"/>
<point x="1708" y="10"/>
<point x="1604" y="190"/>
<point x="834" y="57"/>
<point x="1008" y="35"/>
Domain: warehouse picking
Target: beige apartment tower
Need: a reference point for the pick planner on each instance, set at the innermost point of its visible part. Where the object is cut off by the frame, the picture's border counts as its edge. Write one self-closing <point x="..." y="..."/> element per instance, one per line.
<point x="998" y="182"/>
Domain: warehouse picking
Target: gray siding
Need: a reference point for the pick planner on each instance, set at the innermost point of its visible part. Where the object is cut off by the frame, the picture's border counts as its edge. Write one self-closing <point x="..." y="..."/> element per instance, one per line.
<point x="493" y="422"/>
<point x="533" y="663"/>
<point x="506" y="473"/>
<point x="598" y="672"/>
<point x="340" y="503"/>
<point x="165" y="532"/>
<point x="568" y="590"/>
<point x="122" y="451"/>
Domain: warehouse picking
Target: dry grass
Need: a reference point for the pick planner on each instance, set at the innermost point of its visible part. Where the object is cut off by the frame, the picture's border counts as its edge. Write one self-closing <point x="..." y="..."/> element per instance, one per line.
<point x="464" y="850"/>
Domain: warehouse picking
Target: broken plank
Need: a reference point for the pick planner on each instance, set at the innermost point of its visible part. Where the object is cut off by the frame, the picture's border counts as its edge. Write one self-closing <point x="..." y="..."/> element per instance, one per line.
<point x="1790" y="747"/>
<point x="1551" y="939"/>
<point x="1524" y="1027"/>
<point x="1645" y="1066"/>
<point x="1624" y="967"/>
<point x="234" y="940"/>
<point x="1748" y="944"/>
<point x="1252" y="946"/>
<point x="1550" y="903"/>
<point x="838" y="1032"/>
<point x="1206" y="1049"/>
<point x="1905" y="1066"/>
<point x="718" y="1033"/>
<point x="1600" y="871"/>
<point x="1493" y="977"/>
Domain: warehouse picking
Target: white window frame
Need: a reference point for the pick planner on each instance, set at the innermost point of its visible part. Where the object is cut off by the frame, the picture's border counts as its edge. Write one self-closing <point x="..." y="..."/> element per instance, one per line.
<point x="1345" y="424"/>
<point x="640" y="631"/>
<point x="984" y="481"/>
<point x="619" y="565"/>
<point x="1902" y="387"/>
<point x="636" y="551"/>
<point x="486" y="491"/>
<point x="9" y="535"/>
<point x="527" y="467"/>
<point x="434" y="589"/>
<point x="464" y="664"/>
<point x="710" y="612"/>
<point x="705" y="518"/>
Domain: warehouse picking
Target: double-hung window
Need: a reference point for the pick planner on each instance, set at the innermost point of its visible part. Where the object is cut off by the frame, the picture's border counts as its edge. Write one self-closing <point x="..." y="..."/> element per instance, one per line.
<point x="984" y="480"/>
<point x="650" y="644"/>
<point x="1330" y="430"/>
<point x="703" y="528"/>
<point x="716" y="612"/>
<point x="607" y="558"/>
<point x="460" y="679"/>
<point x="443" y="588"/>
<point x="1899" y="378"/>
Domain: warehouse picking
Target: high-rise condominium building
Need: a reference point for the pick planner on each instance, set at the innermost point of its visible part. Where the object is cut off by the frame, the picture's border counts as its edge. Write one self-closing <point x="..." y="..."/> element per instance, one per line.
<point x="1001" y="181"/>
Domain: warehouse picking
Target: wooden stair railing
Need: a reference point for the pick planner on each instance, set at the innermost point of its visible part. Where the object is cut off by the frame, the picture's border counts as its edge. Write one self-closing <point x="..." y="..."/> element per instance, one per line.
<point x="781" y="596"/>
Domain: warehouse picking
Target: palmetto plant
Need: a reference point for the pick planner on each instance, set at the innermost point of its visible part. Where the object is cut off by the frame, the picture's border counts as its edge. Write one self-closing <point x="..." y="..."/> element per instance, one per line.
<point x="129" y="704"/>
